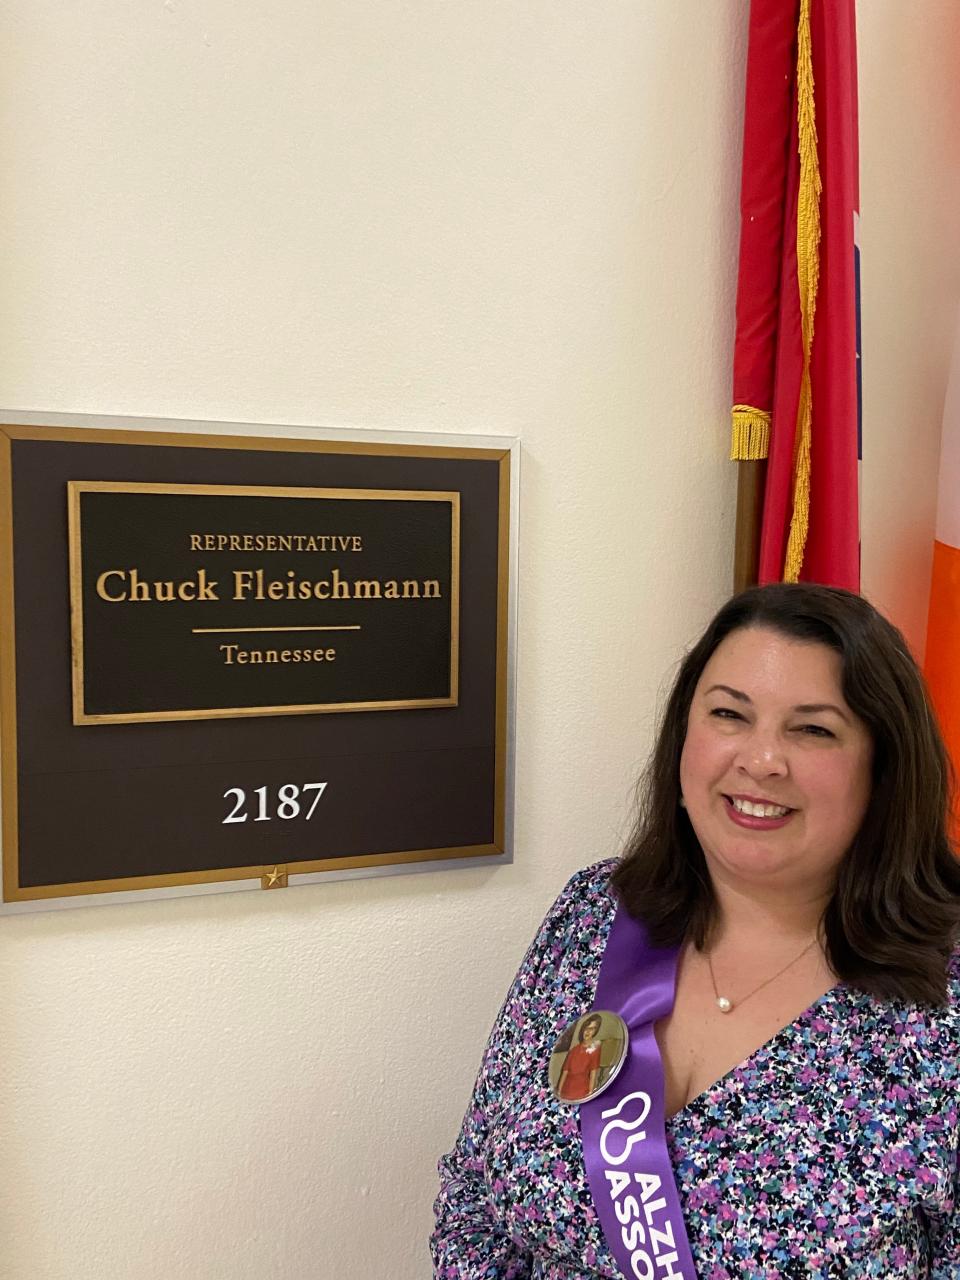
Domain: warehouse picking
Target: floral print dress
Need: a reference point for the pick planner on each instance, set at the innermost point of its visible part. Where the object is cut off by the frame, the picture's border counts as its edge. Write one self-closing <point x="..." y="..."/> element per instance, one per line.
<point x="830" y="1152"/>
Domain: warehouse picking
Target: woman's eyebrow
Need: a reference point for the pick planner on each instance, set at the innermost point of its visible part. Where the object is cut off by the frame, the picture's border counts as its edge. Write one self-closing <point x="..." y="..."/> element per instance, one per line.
<point x="734" y="693"/>
<point x="814" y="708"/>
<point x="804" y="709"/>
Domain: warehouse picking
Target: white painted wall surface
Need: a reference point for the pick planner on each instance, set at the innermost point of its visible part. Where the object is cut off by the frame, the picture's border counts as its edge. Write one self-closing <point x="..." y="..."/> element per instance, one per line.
<point x="440" y="215"/>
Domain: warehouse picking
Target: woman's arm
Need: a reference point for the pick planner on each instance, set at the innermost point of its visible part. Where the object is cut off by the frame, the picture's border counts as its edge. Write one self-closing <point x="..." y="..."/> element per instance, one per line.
<point x="943" y="1226"/>
<point x="944" y="1236"/>
<point x="943" y="1232"/>
<point x="470" y="1240"/>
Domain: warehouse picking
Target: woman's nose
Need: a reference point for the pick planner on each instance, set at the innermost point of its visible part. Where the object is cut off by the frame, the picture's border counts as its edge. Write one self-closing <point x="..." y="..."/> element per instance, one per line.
<point x="762" y="755"/>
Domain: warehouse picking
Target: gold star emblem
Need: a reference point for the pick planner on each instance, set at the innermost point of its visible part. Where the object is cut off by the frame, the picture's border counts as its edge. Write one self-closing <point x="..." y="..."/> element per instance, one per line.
<point x="275" y="878"/>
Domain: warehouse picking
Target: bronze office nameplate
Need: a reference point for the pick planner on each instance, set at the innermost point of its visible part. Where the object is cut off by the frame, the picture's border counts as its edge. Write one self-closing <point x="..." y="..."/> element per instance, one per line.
<point x="162" y="725"/>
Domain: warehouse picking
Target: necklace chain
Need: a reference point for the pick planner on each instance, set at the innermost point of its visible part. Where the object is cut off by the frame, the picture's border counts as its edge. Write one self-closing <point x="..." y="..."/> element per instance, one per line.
<point x="726" y="1005"/>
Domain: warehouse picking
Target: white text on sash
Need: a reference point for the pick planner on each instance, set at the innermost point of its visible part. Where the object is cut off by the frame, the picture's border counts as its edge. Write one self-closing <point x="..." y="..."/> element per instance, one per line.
<point x="643" y="1228"/>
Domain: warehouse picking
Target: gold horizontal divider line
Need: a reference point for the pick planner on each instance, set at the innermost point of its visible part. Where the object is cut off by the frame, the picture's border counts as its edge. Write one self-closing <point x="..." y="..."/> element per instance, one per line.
<point x="217" y="631"/>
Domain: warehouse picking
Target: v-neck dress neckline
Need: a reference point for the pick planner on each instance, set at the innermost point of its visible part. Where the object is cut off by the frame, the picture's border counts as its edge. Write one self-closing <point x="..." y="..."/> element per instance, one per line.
<point x="754" y="1060"/>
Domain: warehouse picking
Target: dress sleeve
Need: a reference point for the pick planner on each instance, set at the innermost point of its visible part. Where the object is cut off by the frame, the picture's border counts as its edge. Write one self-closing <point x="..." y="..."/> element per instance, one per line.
<point x="470" y="1241"/>
<point x="943" y="1228"/>
<point x="944" y="1236"/>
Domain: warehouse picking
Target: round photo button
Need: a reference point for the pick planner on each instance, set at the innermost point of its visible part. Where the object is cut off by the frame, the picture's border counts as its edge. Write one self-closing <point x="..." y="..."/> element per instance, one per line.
<point x="588" y="1055"/>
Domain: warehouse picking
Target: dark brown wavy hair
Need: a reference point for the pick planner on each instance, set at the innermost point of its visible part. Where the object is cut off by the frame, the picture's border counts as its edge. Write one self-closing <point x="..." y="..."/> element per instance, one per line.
<point x="893" y="919"/>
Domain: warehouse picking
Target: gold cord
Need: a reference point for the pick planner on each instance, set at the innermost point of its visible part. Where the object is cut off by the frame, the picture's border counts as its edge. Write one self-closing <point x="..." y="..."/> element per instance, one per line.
<point x="808" y="278"/>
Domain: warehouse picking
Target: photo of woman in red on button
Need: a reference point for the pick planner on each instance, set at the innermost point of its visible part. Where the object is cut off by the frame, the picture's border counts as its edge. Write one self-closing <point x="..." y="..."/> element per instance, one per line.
<point x="586" y="1056"/>
<point x="581" y="1066"/>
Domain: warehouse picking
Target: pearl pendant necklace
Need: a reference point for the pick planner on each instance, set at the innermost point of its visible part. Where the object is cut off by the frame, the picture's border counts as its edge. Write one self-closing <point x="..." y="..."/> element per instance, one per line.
<point x="726" y="1005"/>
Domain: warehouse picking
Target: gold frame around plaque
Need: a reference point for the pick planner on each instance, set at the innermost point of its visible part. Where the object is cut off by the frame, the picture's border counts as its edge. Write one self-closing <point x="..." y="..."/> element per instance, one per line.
<point x="12" y="892"/>
<point x="74" y="533"/>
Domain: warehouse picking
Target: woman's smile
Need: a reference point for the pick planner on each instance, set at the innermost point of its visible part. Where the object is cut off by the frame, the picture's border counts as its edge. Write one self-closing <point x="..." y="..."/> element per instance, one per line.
<point x="758" y="815"/>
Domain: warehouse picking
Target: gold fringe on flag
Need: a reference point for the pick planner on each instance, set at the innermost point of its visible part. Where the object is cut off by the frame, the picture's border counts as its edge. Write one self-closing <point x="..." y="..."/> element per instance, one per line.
<point x="750" y="440"/>
<point x="808" y="273"/>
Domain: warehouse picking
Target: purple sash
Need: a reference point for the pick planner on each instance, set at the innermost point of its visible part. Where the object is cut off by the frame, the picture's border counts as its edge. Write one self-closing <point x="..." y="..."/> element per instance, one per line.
<point x="624" y="1145"/>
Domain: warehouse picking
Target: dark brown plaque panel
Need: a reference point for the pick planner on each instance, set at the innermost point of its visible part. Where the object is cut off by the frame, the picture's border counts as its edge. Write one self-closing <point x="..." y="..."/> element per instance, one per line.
<point x="252" y="786"/>
<point x="236" y="604"/>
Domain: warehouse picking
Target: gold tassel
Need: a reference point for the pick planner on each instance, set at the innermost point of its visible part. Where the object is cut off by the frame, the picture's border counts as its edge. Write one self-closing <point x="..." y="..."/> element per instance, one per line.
<point x="750" y="440"/>
<point x="808" y="273"/>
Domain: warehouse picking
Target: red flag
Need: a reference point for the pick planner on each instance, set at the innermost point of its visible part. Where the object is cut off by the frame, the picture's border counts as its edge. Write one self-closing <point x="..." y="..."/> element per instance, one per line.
<point x="769" y="109"/>
<point x="796" y="359"/>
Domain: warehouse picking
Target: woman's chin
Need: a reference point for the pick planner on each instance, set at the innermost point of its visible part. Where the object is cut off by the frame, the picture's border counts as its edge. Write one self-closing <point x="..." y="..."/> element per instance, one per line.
<point x="751" y="862"/>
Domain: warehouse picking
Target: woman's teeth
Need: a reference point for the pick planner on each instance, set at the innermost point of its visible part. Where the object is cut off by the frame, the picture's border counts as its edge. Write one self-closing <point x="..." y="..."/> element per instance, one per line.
<point x="759" y="810"/>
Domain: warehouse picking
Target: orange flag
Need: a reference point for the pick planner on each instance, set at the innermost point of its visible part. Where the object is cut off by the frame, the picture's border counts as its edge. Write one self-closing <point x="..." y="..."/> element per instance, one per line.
<point x="942" y="666"/>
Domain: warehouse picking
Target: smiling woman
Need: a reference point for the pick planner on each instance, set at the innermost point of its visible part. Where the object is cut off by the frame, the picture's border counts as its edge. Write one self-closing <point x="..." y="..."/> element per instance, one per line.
<point x="806" y="697"/>
<point x="779" y="939"/>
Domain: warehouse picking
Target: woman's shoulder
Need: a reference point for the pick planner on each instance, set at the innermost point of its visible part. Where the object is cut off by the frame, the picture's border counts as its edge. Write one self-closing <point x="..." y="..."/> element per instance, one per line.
<point x="935" y="1029"/>
<point x="588" y="891"/>
<point x="594" y="879"/>
<point x="945" y="1014"/>
<point x="939" y="1039"/>
<point x="582" y="910"/>
<point x="953" y="984"/>
<point x="916" y="1044"/>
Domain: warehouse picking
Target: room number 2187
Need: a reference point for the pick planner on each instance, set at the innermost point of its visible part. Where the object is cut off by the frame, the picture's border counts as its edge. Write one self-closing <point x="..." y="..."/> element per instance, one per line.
<point x="291" y="801"/>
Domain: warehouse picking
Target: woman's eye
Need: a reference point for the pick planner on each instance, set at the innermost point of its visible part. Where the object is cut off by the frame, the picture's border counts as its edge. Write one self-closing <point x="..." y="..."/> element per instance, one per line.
<point x="726" y="713"/>
<point x="816" y="730"/>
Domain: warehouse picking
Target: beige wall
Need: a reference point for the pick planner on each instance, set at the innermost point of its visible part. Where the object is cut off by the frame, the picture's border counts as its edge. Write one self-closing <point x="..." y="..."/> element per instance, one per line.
<point x="442" y="215"/>
<point x="910" y="246"/>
